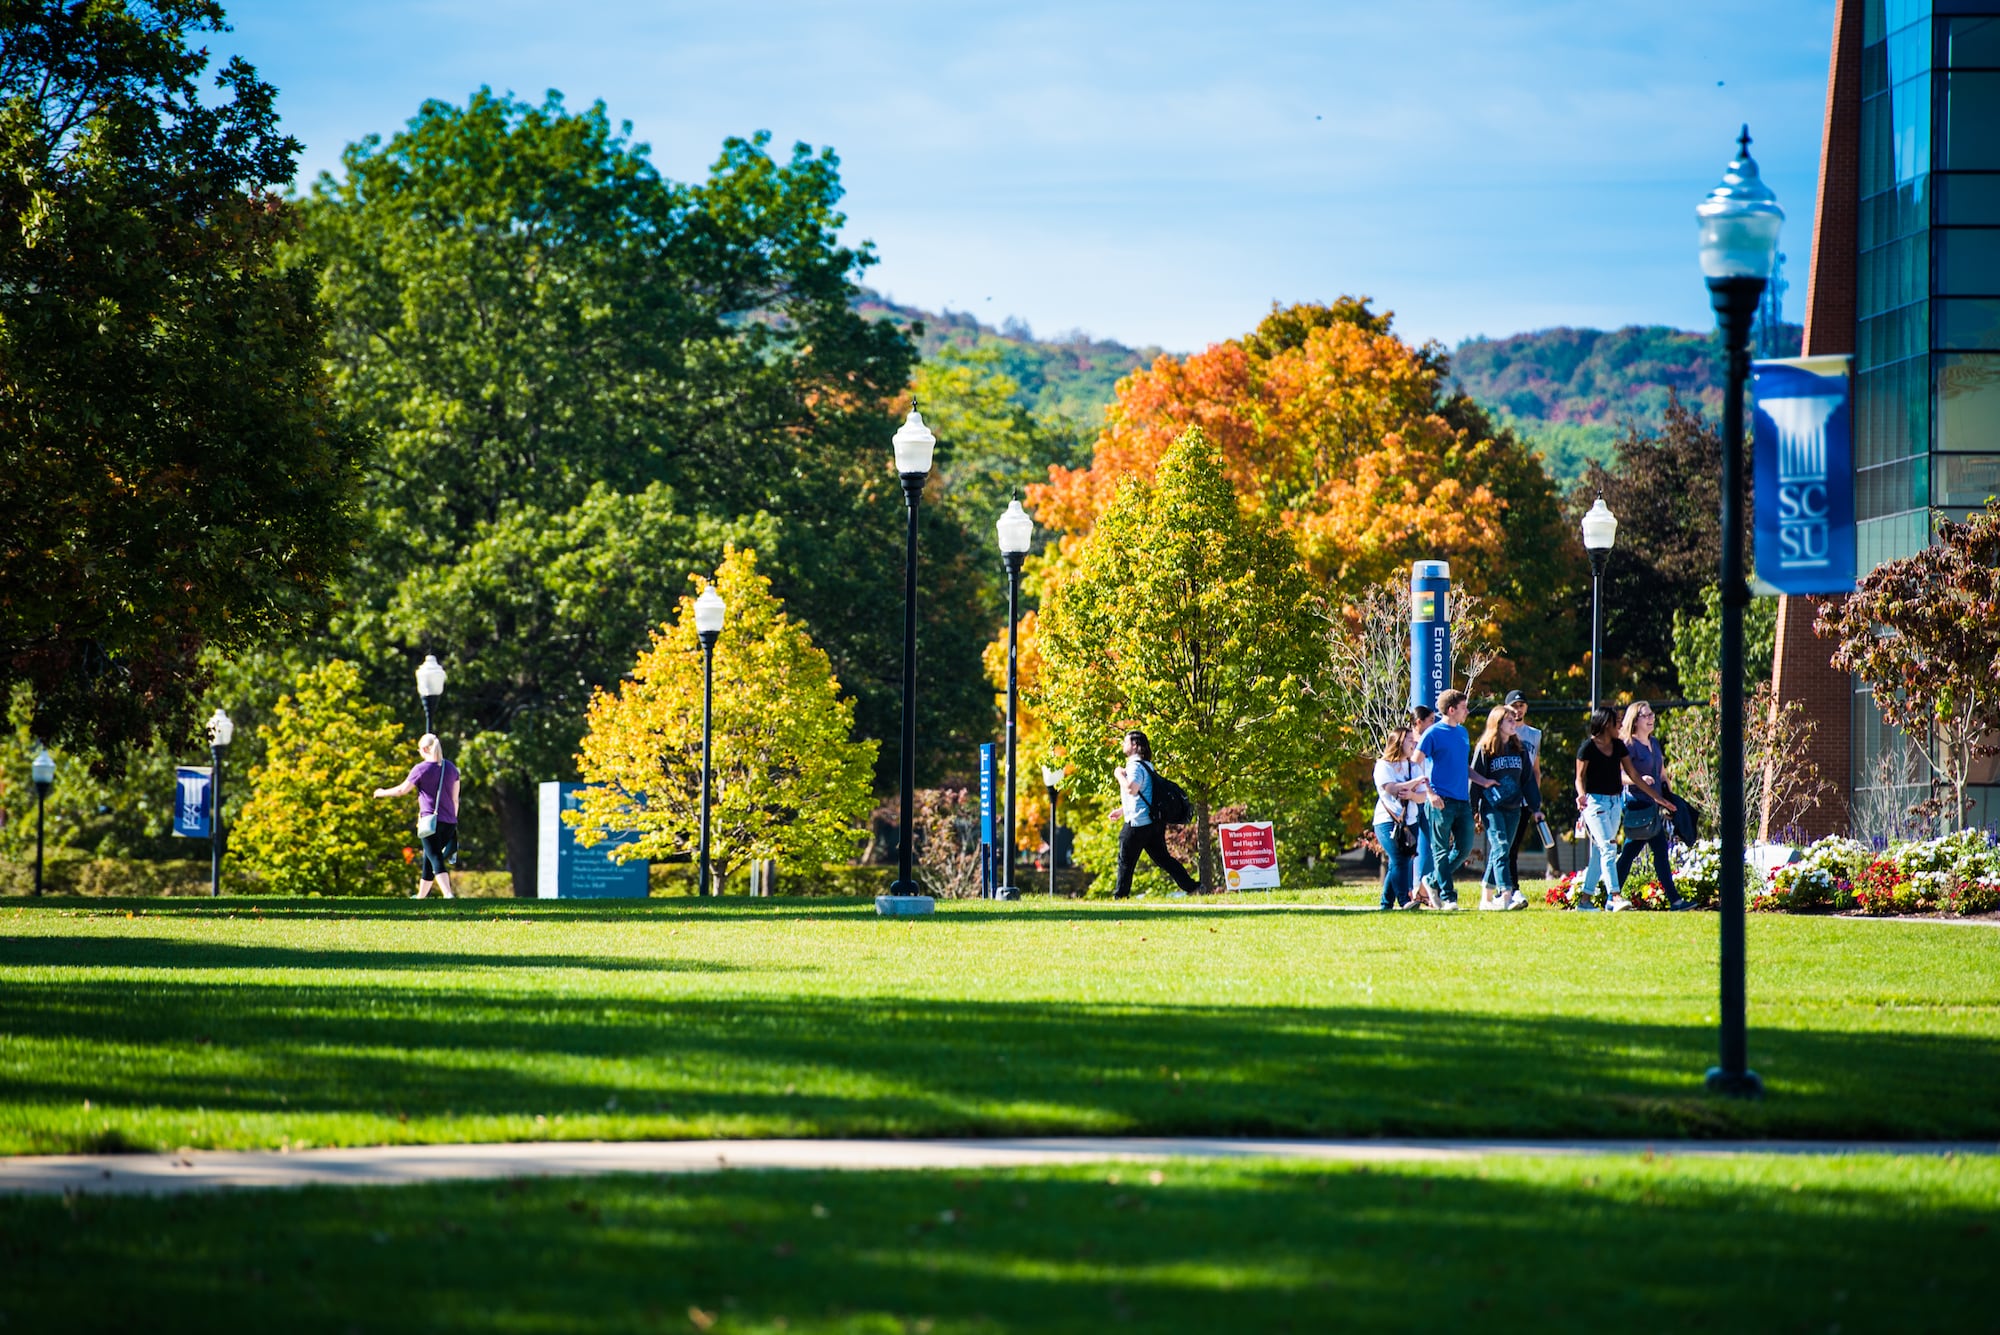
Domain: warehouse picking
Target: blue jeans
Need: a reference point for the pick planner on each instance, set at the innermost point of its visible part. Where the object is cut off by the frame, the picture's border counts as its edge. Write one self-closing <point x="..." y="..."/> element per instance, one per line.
<point x="1451" y="840"/>
<point x="1395" y="867"/>
<point x="1501" y="829"/>
<point x="1601" y="817"/>
<point x="1663" y="863"/>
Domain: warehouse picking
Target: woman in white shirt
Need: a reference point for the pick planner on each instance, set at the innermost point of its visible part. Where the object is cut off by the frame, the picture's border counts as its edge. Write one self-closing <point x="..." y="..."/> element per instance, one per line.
<point x="1400" y="790"/>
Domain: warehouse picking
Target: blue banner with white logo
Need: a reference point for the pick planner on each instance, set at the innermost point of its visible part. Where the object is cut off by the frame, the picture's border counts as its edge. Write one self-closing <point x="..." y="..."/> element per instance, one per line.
<point x="1803" y="463"/>
<point x="987" y="766"/>
<point x="194" y="790"/>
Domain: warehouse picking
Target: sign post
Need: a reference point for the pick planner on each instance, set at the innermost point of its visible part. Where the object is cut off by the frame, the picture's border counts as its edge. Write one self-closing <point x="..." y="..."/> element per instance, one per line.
<point x="1249" y="855"/>
<point x="567" y="870"/>
<point x="1430" y="632"/>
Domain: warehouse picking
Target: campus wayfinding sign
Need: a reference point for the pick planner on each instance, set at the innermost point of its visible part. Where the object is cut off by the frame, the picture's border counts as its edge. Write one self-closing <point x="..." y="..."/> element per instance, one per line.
<point x="566" y="869"/>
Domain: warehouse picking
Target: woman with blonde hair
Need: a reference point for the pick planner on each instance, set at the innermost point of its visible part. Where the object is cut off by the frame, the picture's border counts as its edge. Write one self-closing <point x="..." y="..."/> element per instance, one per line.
<point x="1646" y="823"/>
<point x="1399" y="807"/>
<point x="435" y="782"/>
<point x="1501" y="759"/>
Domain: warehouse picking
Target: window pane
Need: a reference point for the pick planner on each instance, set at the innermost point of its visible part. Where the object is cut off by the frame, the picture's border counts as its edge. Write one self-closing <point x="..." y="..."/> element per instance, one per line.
<point x="1892" y="337"/>
<point x="1972" y="109"/>
<point x="1911" y="107"/>
<point x="1964" y="198"/>
<point x="1879" y="540"/>
<point x="1973" y="42"/>
<point x="1909" y="53"/>
<point x="1968" y="323"/>
<point x="1892" y="276"/>
<point x="1968" y="403"/>
<point x="1969" y="261"/>
<point x="1965" y="479"/>
<point x="1891" y="414"/>
<point x="1885" y="490"/>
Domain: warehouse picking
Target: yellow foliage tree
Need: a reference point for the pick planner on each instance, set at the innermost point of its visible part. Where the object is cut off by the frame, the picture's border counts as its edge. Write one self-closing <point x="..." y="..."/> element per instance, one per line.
<point x="311" y="824"/>
<point x="790" y="782"/>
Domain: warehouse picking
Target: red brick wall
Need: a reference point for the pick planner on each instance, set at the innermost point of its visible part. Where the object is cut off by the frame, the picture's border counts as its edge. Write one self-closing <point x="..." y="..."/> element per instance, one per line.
<point x="1803" y="673"/>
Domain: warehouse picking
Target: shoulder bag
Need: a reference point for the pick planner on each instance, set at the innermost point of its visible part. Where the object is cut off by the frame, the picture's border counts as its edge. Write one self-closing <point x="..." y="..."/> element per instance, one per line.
<point x="428" y="825"/>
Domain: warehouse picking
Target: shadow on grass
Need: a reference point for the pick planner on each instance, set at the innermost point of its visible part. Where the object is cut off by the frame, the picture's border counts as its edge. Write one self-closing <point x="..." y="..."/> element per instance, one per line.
<point x="139" y="952"/>
<point x="1200" y="1249"/>
<point x="417" y="1063"/>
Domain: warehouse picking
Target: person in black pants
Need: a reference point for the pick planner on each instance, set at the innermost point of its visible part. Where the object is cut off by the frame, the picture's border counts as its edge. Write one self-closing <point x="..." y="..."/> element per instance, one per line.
<point x="1143" y="834"/>
<point x="435" y="782"/>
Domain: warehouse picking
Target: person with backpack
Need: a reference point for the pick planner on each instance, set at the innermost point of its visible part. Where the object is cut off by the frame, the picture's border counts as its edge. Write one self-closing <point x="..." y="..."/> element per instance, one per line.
<point x="435" y="782"/>
<point x="1501" y="759"/>
<point x="1150" y="804"/>
<point x="1399" y="806"/>
<point x="1647" y="824"/>
<point x="1603" y="769"/>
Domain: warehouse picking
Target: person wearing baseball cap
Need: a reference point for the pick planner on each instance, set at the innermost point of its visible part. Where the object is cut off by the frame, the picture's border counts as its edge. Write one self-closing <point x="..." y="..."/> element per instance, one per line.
<point x="1531" y="738"/>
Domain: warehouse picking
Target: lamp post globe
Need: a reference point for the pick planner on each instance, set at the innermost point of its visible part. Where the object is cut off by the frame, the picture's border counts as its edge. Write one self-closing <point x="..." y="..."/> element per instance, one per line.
<point x="42" y="769"/>
<point x="1600" y="531"/>
<point x="220" y="733"/>
<point x="913" y="445"/>
<point x="430" y="685"/>
<point x="1052" y="777"/>
<point x="1016" y="532"/>
<point x="710" y="612"/>
<point x="1738" y="223"/>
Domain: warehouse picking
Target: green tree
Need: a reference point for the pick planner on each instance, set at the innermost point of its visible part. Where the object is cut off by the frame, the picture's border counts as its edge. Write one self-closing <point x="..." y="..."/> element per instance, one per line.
<point x="1197" y="622"/>
<point x="523" y="309"/>
<point x="533" y="615"/>
<point x="789" y="782"/>
<point x="172" y="470"/>
<point x="311" y="824"/>
<point x="989" y="446"/>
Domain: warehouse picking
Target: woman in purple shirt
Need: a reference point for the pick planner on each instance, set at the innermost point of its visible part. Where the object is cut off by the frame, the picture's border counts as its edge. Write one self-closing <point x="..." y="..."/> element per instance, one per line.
<point x="435" y="782"/>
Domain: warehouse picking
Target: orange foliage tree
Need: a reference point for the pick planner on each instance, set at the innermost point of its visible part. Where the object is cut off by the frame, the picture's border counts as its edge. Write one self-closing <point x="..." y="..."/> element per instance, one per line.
<point x="1352" y="441"/>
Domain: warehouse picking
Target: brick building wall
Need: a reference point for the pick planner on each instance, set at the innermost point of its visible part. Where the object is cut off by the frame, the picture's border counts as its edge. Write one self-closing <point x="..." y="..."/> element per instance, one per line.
<point x="1802" y="672"/>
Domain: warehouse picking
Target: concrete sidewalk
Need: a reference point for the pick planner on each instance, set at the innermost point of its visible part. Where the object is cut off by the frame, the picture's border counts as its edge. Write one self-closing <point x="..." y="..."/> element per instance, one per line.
<point x="402" y="1165"/>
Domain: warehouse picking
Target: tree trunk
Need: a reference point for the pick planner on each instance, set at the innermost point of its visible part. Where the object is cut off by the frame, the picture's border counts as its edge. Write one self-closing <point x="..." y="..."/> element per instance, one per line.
<point x="519" y="813"/>
<point x="1204" y="855"/>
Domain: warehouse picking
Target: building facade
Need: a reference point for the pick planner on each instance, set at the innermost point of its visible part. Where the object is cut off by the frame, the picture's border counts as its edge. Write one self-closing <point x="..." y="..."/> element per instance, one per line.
<point x="1906" y="278"/>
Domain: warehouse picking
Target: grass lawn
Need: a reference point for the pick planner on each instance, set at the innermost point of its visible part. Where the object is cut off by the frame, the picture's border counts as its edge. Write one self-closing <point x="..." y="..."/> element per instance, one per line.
<point x="1758" y="1243"/>
<point x="267" y="1023"/>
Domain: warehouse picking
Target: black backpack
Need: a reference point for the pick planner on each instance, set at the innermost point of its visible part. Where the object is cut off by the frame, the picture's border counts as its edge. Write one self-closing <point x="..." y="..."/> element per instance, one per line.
<point x="1170" y="805"/>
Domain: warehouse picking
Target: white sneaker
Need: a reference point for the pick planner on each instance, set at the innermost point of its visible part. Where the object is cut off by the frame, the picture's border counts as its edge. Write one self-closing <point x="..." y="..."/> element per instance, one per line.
<point x="1447" y="906"/>
<point x="1519" y="901"/>
<point x="1619" y="904"/>
<point x="1586" y="903"/>
<point x="1493" y="905"/>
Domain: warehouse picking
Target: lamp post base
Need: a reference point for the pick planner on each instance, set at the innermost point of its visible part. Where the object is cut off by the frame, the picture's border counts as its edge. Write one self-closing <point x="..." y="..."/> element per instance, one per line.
<point x="1735" y="1085"/>
<point x="1006" y="892"/>
<point x="905" y="906"/>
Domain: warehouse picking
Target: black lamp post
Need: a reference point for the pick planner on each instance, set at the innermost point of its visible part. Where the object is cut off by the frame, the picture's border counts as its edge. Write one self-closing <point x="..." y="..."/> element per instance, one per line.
<point x="430" y="685"/>
<point x="43" y="770"/>
<point x="220" y="731"/>
<point x="1017" y="534"/>
<point x="914" y="444"/>
<point x="1052" y="777"/>
<point x="1600" y="531"/>
<point x="1739" y="245"/>
<point x="709" y="614"/>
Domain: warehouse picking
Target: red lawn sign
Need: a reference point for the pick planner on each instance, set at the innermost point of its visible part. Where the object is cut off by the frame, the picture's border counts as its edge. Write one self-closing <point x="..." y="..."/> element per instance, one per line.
<point x="1250" y="855"/>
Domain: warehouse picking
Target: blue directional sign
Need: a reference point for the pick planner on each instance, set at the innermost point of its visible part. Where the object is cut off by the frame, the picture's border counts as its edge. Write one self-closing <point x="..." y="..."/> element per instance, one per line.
<point x="568" y="870"/>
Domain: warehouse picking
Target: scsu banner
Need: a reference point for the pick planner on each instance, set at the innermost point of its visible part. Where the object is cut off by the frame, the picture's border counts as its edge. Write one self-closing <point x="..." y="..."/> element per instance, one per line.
<point x="193" y="789"/>
<point x="1804" y="467"/>
<point x="1249" y="855"/>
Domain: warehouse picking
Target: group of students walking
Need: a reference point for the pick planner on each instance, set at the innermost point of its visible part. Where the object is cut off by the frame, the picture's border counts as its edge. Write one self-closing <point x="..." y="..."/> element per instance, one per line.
<point x="1432" y="783"/>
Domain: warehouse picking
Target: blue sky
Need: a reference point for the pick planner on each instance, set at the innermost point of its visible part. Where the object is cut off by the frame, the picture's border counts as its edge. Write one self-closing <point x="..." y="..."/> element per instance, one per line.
<point x="1162" y="172"/>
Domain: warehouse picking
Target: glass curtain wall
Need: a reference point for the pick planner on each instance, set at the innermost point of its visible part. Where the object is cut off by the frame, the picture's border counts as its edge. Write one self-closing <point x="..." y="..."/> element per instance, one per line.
<point x="1927" y="345"/>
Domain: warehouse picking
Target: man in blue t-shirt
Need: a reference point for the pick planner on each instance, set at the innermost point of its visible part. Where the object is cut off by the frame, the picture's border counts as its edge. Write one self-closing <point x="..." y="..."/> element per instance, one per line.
<point x="1449" y="749"/>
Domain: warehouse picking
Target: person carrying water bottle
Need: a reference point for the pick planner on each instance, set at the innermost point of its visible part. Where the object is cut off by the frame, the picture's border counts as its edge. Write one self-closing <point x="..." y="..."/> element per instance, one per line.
<point x="1141" y="832"/>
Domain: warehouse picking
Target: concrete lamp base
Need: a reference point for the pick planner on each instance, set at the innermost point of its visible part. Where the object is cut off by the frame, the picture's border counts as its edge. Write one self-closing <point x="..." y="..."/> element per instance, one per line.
<point x="905" y="906"/>
<point x="1006" y="892"/>
<point x="1735" y="1085"/>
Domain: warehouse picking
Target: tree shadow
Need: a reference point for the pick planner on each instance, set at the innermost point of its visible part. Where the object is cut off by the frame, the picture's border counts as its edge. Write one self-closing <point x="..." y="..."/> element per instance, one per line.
<point x="459" y="1060"/>
<point x="1202" y="1248"/>
<point x="141" y="952"/>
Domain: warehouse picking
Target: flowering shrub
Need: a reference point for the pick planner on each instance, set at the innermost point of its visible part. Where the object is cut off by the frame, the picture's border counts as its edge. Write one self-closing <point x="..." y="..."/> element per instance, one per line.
<point x="1883" y="887"/>
<point x="1561" y="893"/>
<point x="1822" y="879"/>
<point x="1698" y="872"/>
